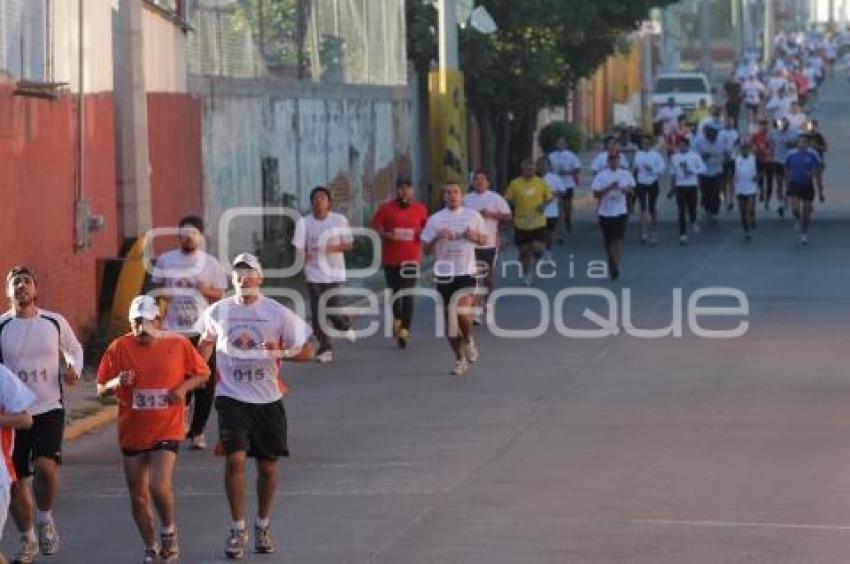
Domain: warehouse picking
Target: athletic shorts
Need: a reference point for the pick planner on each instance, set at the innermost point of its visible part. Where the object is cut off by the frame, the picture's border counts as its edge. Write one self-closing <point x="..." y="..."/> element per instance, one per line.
<point x="613" y="228"/>
<point x="258" y="429"/>
<point x="742" y="198"/>
<point x="805" y="192"/>
<point x="42" y="440"/>
<point x="775" y="168"/>
<point x="523" y="237"/>
<point x="171" y="446"/>
<point x="551" y="224"/>
<point x="647" y="195"/>
<point x="566" y="196"/>
<point x="447" y="287"/>
<point x="486" y="259"/>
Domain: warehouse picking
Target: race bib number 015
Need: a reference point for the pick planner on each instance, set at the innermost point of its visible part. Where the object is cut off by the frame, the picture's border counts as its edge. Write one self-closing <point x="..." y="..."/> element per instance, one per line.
<point x="150" y="399"/>
<point x="248" y="375"/>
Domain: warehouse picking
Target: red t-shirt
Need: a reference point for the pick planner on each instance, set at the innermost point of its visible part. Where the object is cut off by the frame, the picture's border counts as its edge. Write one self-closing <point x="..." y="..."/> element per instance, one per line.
<point x="406" y="224"/>
<point x="144" y="417"/>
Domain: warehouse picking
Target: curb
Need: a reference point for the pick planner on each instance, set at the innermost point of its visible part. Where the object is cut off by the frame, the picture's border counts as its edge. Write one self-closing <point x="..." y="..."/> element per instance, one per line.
<point x="91" y="423"/>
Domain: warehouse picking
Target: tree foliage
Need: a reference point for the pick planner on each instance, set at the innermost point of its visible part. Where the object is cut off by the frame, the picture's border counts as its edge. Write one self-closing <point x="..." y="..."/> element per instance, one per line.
<point x="542" y="48"/>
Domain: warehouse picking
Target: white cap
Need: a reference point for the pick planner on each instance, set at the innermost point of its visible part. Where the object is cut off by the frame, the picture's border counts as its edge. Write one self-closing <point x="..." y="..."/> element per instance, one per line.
<point x="249" y="260"/>
<point x="144" y="307"/>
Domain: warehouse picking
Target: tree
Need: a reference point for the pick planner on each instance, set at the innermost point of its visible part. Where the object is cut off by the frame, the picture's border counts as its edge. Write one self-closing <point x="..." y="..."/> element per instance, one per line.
<point x="538" y="54"/>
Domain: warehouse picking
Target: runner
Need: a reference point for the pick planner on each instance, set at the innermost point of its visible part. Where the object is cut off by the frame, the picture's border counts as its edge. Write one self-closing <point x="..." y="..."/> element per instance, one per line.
<point x="753" y="91"/>
<point x="399" y="224"/>
<point x="782" y="140"/>
<point x="567" y="166"/>
<point x="451" y="236"/>
<point x="252" y="335"/>
<point x="610" y="188"/>
<point x="151" y="371"/>
<point x="667" y="117"/>
<point x="817" y="141"/>
<point x="323" y="236"/>
<point x="763" y="150"/>
<point x="191" y="279"/>
<point x="730" y="139"/>
<point x="711" y="150"/>
<point x="600" y="161"/>
<point x="745" y="181"/>
<point x="553" y="181"/>
<point x="734" y="96"/>
<point x="40" y="347"/>
<point x="685" y="166"/>
<point x="496" y="212"/>
<point x="649" y="166"/>
<point x="529" y="196"/>
<point x="801" y="167"/>
<point x="15" y="401"/>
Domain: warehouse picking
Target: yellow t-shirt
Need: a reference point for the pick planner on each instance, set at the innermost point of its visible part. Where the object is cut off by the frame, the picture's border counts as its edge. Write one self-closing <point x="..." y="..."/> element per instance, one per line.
<point x="528" y="197"/>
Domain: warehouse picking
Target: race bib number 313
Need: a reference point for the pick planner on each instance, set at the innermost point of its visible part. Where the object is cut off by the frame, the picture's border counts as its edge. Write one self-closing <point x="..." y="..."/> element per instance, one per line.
<point x="150" y="399"/>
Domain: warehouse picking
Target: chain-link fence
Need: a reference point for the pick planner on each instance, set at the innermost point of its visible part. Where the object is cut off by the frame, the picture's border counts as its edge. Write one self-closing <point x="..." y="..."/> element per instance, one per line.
<point x="334" y="41"/>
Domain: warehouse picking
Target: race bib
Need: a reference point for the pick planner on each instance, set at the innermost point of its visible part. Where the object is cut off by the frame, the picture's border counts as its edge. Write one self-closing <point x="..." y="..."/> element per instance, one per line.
<point x="403" y="234"/>
<point x="33" y="377"/>
<point x="150" y="399"/>
<point x="248" y="375"/>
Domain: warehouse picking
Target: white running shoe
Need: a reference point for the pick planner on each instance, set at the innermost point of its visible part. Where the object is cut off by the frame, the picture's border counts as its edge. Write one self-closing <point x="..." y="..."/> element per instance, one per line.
<point x="695" y="228"/>
<point x="28" y="551"/>
<point x="198" y="442"/>
<point x="325" y="357"/>
<point x="470" y="351"/>
<point x="350" y="336"/>
<point x="683" y="239"/>
<point x="460" y="367"/>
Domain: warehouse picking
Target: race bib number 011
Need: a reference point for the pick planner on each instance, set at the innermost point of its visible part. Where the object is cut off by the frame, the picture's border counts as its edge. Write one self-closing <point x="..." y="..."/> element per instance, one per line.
<point x="150" y="399"/>
<point x="33" y="376"/>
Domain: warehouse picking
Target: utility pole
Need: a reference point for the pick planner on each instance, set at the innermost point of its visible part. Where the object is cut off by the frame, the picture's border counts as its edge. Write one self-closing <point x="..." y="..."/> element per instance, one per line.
<point x="705" y="37"/>
<point x="769" y="23"/>
<point x="447" y="107"/>
<point x="671" y="28"/>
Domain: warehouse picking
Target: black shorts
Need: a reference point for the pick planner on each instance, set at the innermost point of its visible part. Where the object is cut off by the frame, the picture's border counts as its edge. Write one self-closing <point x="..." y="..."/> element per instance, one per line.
<point x="42" y="440"/>
<point x="567" y="196"/>
<point x="743" y="198"/>
<point x="447" y="287"/>
<point x="613" y="228"/>
<point x="776" y="169"/>
<point x="486" y="261"/>
<point x="805" y="192"/>
<point x="647" y="195"/>
<point x="258" y="429"/>
<point x="523" y="237"/>
<point x="170" y="446"/>
<point x="551" y="224"/>
<point x="728" y="168"/>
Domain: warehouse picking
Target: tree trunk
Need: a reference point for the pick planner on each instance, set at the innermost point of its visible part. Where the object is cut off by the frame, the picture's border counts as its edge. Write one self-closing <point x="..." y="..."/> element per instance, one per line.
<point x="489" y="141"/>
<point x="522" y="140"/>
<point x="503" y="124"/>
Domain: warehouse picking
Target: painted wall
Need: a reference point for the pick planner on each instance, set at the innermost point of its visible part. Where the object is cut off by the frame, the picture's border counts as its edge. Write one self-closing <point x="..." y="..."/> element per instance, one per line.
<point x="97" y="44"/>
<point x="355" y="140"/>
<point x="174" y="151"/>
<point x="37" y="188"/>
<point x="164" y="53"/>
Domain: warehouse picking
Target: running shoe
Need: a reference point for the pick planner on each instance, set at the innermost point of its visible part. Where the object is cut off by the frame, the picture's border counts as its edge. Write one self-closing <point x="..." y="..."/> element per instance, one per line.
<point x="460" y="367"/>
<point x="396" y="327"/>
<point x="325" y="357"/>
<point x="234" y="548"/>
<point x="644" y="239"/>
<point x="350" y="336"/>
<point x="170" y="551"/>
<point x="804" y="240"/>
<point x="48" y="538"/>
<point x="263" y="540"/>
<point x="781" y="211"/>
<point x="150" y="556"/>
<point x="695" y="228"/>
<point x="198" y="442"/>
<point x="403" y="338"/>
<point x="470" y="351"/>
<point x="28" y="551"/>
<point x="683" y="239"/>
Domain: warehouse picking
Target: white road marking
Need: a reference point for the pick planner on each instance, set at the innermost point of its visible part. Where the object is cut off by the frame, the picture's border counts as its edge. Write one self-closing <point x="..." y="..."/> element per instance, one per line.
<point x="739" y="524"/>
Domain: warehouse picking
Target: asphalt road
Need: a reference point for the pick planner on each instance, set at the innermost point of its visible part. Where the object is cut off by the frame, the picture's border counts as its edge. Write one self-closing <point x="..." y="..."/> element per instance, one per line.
<point x="554" y="449"/>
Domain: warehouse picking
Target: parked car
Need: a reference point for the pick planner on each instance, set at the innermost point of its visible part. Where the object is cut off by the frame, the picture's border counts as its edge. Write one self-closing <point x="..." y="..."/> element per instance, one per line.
<point x="687" y="88"/>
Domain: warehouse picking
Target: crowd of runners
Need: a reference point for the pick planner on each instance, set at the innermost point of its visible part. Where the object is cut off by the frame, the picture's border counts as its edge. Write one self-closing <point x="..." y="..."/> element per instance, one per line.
<point x="192" y="344"/>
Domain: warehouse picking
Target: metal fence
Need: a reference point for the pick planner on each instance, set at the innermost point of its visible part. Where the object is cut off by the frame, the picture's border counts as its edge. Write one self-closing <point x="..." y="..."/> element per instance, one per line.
<point x="334" y="41"/>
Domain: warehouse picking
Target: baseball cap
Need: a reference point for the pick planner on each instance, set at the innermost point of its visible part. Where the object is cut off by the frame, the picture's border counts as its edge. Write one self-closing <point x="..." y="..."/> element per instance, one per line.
<point x="250" y="261"/>
<point x="144" y="307"/>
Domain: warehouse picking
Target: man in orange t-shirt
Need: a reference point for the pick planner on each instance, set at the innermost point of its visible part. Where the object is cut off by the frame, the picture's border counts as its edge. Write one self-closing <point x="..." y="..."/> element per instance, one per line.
<point x="150" y="371"/>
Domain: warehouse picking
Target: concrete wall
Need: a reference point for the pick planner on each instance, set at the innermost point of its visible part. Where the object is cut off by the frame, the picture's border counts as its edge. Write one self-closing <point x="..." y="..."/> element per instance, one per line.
<point x="164" y="53"/>
<point x="353" y="139"/>
<point x="37" y="188"/>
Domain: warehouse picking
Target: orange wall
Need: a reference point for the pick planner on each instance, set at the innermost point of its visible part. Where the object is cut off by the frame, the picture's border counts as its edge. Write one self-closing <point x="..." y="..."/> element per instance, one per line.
<point x="37" y="191"/>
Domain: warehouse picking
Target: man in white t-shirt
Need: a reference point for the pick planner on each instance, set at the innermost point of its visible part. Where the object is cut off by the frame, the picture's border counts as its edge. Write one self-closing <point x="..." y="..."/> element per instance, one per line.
<point x="556" y="186"/>
<point x="667" y="116"/>
<point x="496" y="212"/>
<point x="611" y="188"/>
<point x="252" y="334"/>
<point x="451" y="236"/>
<point x="323" y="236"/>
<point x="40" y="347"/>
<point x="648" y="168"/>
<point x="190" y="279"/>
<point x="745" y="180"/>
<point x="753" y="91"/>
<point x="567" y="166"/>
<point x="15" y="402"/>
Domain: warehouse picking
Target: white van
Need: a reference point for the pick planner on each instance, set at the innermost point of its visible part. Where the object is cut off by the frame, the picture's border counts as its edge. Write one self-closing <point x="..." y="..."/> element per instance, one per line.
<point x="687" y="88"/>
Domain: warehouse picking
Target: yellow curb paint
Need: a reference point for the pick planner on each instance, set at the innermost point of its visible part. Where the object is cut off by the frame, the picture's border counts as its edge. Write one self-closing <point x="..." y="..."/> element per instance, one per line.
<point x="92" y="423"/>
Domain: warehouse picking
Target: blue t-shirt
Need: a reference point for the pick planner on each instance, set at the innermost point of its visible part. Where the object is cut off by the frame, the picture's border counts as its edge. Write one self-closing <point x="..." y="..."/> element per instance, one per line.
<point x="802" y="165"/>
